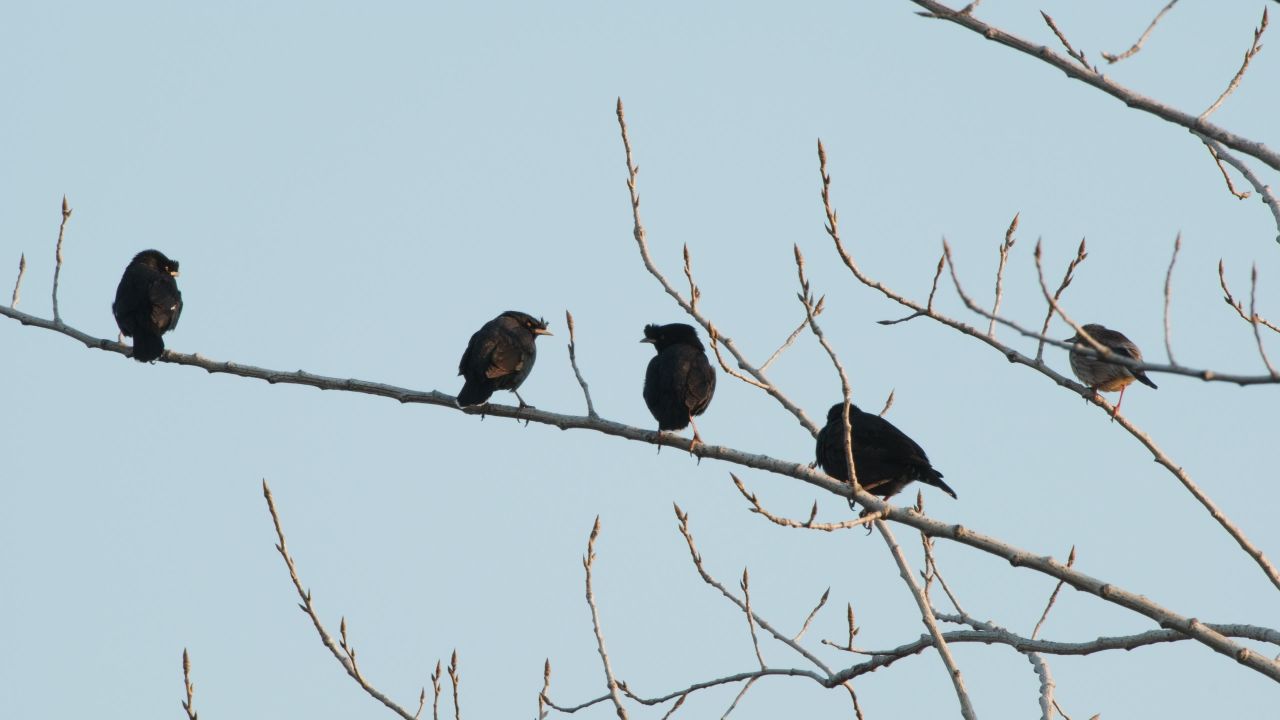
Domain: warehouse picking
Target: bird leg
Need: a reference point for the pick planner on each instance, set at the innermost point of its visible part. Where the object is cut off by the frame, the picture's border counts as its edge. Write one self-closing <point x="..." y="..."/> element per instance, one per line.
<point x="697" y="439"/>
<point x="523" y="404"/>
<point x="1116" y="410"/>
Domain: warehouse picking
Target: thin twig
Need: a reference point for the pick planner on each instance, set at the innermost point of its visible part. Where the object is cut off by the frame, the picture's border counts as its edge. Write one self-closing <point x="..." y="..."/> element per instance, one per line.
<point x="345" y="659"/>
<point x="832" y="226"/>
<point x="638" y="231"/>
<point x="1101" y="82"/>
<point x="1248" y="57"/>
<point x="57" y="268"/>
<point x="573" y="360"/>
<point x="610" y="680"/>
<point x="683" y="519"/>
<point x="695" y="294"/>
<point x="455" y="679"/>
<point x="17" y="286"/>
<point x="1265" y="194"/>
<point x="930" y="622"/>
<point x="814" y="613"/>
<point x="1005" y="247"/>
<point x="1067" y="277"/>
<point x="888" y="402"/>
<point x="1077" y="54"/>
<point x="1168" y="295"/>
<point x="1237" y="306"/>
<point x="1253" y="320"/>
<point x="1115" y="58"/>
<point x="546" y="688"/>
<point x="789" y="341"/>
<point x="677" y="694"/>
<point x="738" y="697"/>
<point x="758" y="508"/>
<point x="751" y="624"/>
<point x="190" y="703"/>
<point x="1231" y="187"/>
<point x="435" y="689"/>
<point x="1053" y="597"/>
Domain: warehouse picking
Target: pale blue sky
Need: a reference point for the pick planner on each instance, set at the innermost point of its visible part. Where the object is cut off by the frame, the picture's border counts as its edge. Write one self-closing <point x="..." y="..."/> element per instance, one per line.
<point x="354" y="191"/>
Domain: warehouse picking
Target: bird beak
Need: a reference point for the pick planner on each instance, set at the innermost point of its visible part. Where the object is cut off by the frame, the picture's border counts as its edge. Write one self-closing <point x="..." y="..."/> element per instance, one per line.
<point x="542" y="331"/>
<point x="651" y="341"/>
<point x="175" y="273"/>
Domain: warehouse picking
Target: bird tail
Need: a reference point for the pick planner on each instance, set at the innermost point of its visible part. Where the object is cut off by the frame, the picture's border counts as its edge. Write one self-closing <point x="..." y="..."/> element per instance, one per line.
<point x="147" y="347"/>
<point x="935" y="479"/>
<point x="1142" y="378"/>
<point x="473" y="394"/>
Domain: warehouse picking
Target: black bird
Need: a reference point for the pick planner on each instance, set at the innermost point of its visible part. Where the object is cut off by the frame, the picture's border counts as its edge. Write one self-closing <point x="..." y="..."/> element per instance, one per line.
<point x="680" y="380"/>
<point x="499" y="357"/>
<point x="1101" y="375"/>
<point x="148" y="303"/>
<point x="885" y="459"/>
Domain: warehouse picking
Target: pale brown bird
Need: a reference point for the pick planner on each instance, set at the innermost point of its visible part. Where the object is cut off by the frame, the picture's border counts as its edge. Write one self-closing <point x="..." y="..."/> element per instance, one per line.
<point x="1102" y="375"/>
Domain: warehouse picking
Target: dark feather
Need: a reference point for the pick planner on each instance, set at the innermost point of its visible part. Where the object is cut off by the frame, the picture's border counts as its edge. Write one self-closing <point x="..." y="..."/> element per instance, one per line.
<point x="679" y="382"/>
<point x="885" y="459"/>
<point x="499" y="356"/>
<point x="148" y="303"/>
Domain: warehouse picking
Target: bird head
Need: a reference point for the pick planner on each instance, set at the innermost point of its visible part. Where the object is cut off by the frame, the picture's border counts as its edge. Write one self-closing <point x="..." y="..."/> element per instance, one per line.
<point x="1095" y="331"/>
<point x="836" y="413"/>
<point x="537" y="326"/>
<point x="157" y="260"/>
<point x="664" y="336"/>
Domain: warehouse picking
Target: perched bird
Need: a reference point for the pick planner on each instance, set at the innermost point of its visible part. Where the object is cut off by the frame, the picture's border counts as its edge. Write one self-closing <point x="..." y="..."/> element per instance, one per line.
<point x="1101" y="375"/>
<point x="499" y="357"/>
<point x="680" y="381"/>
<point x="148" y="303"/>
<point x="885" y="459"/>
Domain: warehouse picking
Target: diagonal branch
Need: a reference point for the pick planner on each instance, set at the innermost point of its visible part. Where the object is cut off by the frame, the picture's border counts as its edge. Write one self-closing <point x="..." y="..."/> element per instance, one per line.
<point x="342" y="653"/>
<point x="610" y="680"/>
<point x="930" y="622"/>
<point x="1102" y="82"/>
<point x="57" y="268"/>
<point x="1248" y="57"/>
<point x="1115" y="58"/>
<point x="638" y="231"/>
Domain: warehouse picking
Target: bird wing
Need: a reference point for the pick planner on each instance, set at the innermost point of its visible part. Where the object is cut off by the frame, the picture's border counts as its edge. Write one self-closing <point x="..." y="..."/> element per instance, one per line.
<point x="504" y="357"/>
<point x="166" y="302"/>
<point x="701" y="383"/>
<point x="881" y="439"/>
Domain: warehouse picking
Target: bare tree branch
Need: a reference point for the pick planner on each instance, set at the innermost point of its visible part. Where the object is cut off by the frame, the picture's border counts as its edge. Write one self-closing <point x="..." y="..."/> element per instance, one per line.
<point x="930" y="622"/>
<point x="1168" y="295"/>
<point x="1112" y="58"/>
<point x="189" y="705"/>
<point x="1253" y="320"/>
<point x="1103" y="83"/>
<point x="638" y="231"/>
<point x="1264" y="191"/>
<point x="1071" y="561"/>
<point x="57" y="268"/>
<point x="1077" y="54"/>
<point x="573" y="360"/>
<point x="1005" y="247"/>
<point x="1067" y="277"/>
<point x="786" y="344"/>
<point x="1236" y="304"/>
<point x="17" y="285"/>
<point x="343" y="654"/>
<point x="1248" y="57"/>
<point x="610" y="681"/>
